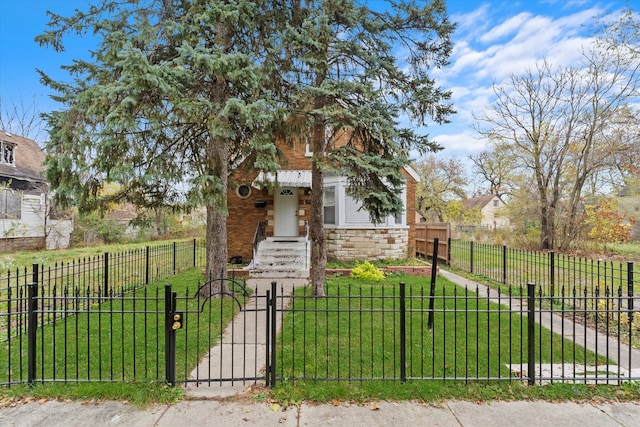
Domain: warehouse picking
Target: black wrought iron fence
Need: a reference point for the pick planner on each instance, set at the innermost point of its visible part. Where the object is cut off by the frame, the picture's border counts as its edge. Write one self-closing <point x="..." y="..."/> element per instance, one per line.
<point x="550" y="271"/>
<point x="362" y="332"/>
<point x="151" y="334"/>
<point x="89" y="277"/>
<point x="357" y="332"/>
<point x="68" y="326"/>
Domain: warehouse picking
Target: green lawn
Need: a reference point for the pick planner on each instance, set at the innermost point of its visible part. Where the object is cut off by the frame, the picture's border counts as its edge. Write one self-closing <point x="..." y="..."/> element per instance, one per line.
<point x="331" y="348"/>
<point x="124" y="350"/>
<point x="514" y="268"/>
<point x="25" y="259"/>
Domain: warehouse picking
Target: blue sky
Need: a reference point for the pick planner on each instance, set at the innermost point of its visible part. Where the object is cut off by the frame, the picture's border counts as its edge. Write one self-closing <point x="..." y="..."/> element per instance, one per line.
<point x="494" y="39"/>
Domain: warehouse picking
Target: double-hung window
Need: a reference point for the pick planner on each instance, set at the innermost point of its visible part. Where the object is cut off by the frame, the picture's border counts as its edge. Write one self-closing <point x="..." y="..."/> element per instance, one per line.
<point x="329" y="203"/>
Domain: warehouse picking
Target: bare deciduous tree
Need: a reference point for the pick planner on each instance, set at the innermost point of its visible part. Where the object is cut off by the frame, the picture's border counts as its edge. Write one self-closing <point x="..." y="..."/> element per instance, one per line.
<point x="21" y="118"/>
<point x="562" y="126"/>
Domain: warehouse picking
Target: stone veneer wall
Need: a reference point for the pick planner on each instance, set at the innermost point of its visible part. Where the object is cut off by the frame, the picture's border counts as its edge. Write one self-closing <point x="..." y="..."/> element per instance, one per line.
<point x="358" y="244"/>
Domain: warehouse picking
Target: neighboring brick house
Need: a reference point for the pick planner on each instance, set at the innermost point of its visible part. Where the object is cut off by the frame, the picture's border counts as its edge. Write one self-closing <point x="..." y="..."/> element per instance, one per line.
<point x="491" y="208"/>
<point x="25" y="207"/>
<point x="283" y="203"/>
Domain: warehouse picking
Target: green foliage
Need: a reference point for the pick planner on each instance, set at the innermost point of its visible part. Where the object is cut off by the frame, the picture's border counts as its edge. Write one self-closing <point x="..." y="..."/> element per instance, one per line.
<point x="177" y="93"/>
<point x="441" y="184"/>
<point x="367" y="271"/>
<point x="351" y="98"/>
<point x="108" y="230"/>
<point x="173" y="95"/>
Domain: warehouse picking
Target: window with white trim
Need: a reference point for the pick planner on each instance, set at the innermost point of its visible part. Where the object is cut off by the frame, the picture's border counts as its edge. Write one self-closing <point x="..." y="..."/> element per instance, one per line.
<point x="355" y="213"/>
<point x="397" y="220"/>
<point x="342" y="210"/>
<point x="329" y="205"/>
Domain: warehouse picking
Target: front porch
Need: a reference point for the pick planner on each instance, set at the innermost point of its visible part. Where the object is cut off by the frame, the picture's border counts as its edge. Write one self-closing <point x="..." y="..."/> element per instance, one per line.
<point x="281" y="257"/>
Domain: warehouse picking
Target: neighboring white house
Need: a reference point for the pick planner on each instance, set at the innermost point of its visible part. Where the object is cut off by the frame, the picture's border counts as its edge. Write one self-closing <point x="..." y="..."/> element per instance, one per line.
<point x="25" y="205"/>
<point x="491" y="208"/>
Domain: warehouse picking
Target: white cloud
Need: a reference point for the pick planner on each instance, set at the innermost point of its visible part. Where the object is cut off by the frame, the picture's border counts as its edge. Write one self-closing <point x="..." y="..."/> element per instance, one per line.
<point x="510" y="26"/>
<point x="531" y="38"/>
<point x="461" y="144"/>
<point x="489" y="46"/>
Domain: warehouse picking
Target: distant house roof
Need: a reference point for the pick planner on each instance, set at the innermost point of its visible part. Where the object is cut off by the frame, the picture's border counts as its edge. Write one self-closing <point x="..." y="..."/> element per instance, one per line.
<point x="477" y="202"/>
<point x="123" y="213"/>
<point x="28" y="159"/>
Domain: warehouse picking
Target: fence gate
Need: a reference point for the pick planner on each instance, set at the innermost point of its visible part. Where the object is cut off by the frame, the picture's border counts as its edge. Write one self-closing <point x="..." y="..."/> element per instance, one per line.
<point x="228" y="336"/>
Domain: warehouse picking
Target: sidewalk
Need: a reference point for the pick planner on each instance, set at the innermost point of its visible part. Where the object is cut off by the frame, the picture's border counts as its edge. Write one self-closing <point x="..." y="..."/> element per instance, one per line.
<point x="229" y="413"/>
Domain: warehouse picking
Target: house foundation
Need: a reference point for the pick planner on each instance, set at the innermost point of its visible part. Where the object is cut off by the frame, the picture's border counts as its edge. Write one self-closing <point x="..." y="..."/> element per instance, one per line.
<point x="359" y="244"/>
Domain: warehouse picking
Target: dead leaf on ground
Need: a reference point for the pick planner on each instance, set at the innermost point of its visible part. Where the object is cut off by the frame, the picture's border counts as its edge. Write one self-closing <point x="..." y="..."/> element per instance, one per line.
<point x="274" y="407"/>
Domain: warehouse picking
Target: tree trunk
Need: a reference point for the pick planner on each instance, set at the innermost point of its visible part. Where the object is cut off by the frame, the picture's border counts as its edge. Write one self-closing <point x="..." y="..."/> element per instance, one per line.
<point x="318" y="242"/>
<point x="158" y="214"/>
<point x="546" y="216"/>
<point x="216" y="247"/>
<point x="216" y="240"/>
<point x="215" y="194"/>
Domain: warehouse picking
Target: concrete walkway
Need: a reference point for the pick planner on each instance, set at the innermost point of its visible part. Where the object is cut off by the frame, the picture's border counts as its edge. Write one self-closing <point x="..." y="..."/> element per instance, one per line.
<point x="241" y="352"/>
<point x="626" y="357"/>
<point x="234" y="413"/>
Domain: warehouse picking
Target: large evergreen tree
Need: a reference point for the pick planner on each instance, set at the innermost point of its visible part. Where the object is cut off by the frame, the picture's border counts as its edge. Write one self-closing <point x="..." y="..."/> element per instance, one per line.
<point x="359" y="72"/>
<point x="177" y="90"/>
<point x="172" y="95"/>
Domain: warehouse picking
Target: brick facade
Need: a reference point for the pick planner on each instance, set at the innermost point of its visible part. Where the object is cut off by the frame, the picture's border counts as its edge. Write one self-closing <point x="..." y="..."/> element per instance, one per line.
<point x="246" y="213"/>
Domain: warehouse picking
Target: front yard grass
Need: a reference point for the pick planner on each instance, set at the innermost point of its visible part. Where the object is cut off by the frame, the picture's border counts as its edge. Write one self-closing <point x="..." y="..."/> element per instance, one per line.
<point x="342" y="340"/>
<point x="125" y="348"/>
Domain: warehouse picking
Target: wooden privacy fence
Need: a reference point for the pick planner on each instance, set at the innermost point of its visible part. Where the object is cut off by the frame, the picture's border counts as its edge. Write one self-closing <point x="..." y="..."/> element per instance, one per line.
<point x="426" y="233"/>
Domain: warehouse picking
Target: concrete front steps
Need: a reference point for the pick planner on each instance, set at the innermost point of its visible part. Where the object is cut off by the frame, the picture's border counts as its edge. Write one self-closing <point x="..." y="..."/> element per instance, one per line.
<point x="282" y="257"/>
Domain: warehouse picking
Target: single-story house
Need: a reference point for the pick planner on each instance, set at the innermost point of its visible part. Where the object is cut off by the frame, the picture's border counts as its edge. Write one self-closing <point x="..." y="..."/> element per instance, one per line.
<point x="26" y="213"/>
<point x="281" y="203"/>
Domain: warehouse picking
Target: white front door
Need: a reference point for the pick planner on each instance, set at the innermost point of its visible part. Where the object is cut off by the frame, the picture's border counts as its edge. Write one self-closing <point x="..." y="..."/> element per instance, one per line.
<point x="286" y="212"/>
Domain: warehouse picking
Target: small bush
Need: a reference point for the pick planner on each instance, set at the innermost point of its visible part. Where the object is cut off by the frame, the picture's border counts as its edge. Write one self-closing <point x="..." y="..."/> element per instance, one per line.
<point x="367" y="271"/>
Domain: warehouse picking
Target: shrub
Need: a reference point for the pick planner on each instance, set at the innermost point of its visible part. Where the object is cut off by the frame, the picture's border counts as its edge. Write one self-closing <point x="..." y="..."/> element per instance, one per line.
<point x="367" y="271"/>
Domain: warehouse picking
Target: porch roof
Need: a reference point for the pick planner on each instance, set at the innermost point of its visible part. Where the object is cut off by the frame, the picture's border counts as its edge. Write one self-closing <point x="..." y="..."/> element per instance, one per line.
<point x="283" y="178"/>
